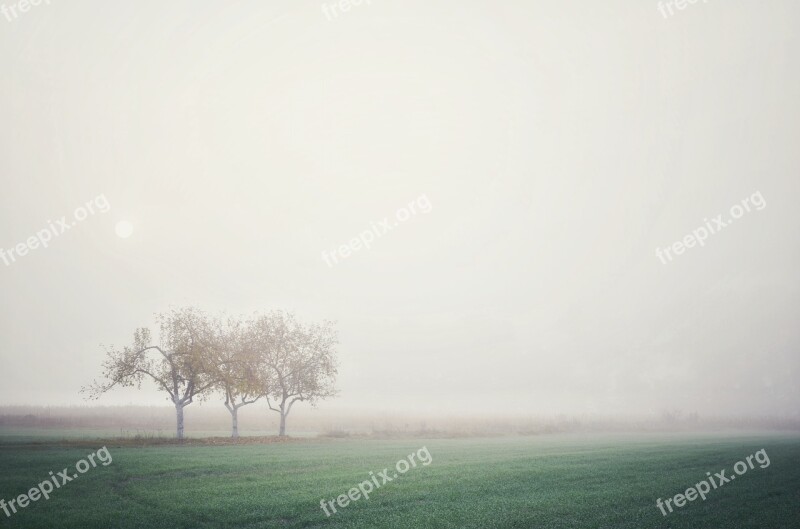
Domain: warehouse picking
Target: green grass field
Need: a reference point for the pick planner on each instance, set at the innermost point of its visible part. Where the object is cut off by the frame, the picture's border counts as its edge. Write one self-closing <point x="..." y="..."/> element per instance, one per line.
<point x="549" y="482"/>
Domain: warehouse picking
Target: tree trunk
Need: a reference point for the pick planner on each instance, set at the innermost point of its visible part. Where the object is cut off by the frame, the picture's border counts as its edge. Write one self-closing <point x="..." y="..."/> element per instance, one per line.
<point x="283" y="423"/>
<point x="235" y="421"/>
<point x="179" y="412"/>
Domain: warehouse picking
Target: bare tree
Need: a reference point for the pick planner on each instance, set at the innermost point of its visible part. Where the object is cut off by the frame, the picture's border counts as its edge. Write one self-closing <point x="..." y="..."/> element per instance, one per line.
<point x="299" y="361"/>
<point x="178" y="364"/>
<point x="236" y="369"/>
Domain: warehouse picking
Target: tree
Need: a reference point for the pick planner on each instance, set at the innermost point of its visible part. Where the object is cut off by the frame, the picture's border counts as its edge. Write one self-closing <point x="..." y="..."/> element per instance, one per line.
<point x="178" y="364"/>
<point x="236" y="370"/>
<point x="298" y="361"/>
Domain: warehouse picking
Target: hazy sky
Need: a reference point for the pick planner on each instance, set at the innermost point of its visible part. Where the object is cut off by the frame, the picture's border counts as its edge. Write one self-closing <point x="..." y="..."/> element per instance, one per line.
<point x="558" y="144"/>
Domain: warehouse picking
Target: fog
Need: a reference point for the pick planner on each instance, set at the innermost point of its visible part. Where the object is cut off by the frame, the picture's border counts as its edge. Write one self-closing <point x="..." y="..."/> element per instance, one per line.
<point x="548" y="149"/>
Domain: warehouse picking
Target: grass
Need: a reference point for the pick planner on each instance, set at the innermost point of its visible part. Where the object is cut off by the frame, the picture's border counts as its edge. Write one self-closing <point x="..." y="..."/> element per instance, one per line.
<point x="549" y="482"/>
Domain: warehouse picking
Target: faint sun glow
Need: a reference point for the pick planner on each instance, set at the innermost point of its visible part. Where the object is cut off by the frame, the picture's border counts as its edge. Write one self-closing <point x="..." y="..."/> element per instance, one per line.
<point x="124" y="229"/>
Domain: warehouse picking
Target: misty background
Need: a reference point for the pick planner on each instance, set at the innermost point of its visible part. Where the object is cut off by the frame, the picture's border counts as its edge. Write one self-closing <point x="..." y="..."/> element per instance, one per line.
<point x="559" y="144"/>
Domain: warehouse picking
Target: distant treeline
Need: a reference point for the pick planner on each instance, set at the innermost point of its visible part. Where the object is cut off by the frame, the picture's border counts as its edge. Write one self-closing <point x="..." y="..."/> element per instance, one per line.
<point x="105" y="417"/>
<point x="126" y="417"/>
<point x="343" y="424"/>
